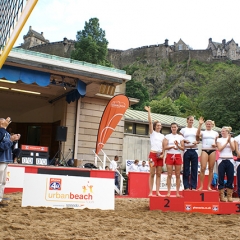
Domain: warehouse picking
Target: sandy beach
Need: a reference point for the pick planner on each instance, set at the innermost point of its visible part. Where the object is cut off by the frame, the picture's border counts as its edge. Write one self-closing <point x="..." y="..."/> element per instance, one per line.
<point x="131" y="219"/>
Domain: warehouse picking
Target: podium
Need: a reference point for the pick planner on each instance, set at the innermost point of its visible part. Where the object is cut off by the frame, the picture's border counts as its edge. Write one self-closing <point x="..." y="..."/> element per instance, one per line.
<point x="194" y="201"/>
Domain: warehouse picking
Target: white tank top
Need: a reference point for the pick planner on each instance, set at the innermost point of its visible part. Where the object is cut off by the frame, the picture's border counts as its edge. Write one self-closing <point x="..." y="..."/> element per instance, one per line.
<point x="171" y="138"/>
<point x="156" y="140"/>
<point x="227" y="151"/>
<point x="208" y="138"/>
<point x="189" y="134"/>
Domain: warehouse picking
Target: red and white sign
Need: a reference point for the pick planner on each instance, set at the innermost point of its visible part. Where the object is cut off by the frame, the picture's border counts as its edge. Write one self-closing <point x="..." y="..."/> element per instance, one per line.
<point x="59" y="191"/>
<point x="34" y="148"/>
<point x="203" y="207"/>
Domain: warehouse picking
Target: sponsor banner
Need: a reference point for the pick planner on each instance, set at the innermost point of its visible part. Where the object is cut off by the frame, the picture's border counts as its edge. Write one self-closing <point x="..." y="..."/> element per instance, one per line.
<point x="112" y="115"/>
<point x="15" y="177"/>
<point x="202" y="207"/>
<point x="34" y="148"/>
<point x="58" y="191"/>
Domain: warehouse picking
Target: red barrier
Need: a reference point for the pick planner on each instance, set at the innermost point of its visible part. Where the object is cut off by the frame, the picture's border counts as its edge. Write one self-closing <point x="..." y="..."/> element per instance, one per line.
<point x="52" y="170"/>
<point x="138" y="186"/>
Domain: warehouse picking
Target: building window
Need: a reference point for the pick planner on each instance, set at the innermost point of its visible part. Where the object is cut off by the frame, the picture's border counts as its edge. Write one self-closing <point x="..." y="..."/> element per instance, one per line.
<point x="141" y="129"/>
<point x="128" y="127"/>
<point x="180" y="47"/>
<point x="136" y="128"/>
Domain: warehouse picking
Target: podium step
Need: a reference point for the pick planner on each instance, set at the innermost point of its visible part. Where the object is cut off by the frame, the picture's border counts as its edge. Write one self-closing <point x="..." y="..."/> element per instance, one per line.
<point x="229" y="207"/>
<point x="201" y="196"/>
<point x="165" y="204"/>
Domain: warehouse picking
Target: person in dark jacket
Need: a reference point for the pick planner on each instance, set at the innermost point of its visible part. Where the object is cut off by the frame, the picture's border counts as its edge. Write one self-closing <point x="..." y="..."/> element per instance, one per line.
<point x="6" y="142"/>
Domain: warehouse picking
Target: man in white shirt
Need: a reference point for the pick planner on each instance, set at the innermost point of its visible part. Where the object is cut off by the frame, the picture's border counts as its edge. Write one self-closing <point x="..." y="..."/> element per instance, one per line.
<point x="143" y="167"/>
<point x="114" y="167"/>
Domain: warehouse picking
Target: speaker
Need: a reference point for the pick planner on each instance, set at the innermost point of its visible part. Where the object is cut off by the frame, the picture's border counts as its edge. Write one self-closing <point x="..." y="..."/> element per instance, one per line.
<point x="61" y="134"/>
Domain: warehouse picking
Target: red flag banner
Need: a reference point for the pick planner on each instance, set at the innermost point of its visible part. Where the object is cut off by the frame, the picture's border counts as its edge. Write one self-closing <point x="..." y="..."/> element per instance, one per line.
<point x="112" y="114"/>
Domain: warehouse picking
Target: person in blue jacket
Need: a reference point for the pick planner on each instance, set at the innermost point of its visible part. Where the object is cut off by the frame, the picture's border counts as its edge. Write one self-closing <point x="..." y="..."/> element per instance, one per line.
<point x="6" y="142"/>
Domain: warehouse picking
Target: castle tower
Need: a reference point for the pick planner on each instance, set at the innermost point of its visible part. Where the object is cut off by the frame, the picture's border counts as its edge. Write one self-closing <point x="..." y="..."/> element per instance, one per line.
<point x="33" y="38"/>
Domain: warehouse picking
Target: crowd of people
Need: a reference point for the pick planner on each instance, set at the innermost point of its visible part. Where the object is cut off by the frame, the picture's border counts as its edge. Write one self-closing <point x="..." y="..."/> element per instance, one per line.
<point x="180" y="151"/>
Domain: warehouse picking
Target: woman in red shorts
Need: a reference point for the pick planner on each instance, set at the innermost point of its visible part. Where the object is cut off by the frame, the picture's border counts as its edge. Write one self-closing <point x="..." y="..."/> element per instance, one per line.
<point x="173" y="143"/>
<point x="156" y="153"/>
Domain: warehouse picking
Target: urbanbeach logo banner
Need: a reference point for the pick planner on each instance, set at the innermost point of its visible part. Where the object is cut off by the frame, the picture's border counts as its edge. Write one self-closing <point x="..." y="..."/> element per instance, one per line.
<point x="112" y="114"/>
<point x="55" y="192"/>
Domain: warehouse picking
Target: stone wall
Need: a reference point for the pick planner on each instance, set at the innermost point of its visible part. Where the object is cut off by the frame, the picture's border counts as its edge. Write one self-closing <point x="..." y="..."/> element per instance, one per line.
<point x="201" y="55"/>
<point x="62" y="49"/>
<point x="120" y="58"/>
<point x="150" y="54"/>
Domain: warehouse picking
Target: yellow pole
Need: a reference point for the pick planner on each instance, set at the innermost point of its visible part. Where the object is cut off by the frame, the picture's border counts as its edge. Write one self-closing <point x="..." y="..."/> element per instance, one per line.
<point x="16" y="31"/>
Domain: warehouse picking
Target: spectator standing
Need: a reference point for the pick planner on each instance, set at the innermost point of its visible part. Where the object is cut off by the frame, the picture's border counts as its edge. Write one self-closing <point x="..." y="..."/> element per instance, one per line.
<point x="114" y="167"/>
<point x="143" y="167"/>
<point x="6" y="143"/>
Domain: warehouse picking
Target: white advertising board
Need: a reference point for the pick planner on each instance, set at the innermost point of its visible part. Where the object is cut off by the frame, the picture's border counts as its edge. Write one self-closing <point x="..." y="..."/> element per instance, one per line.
<point x="56" y="191"/>
<point x="163" y="184"/>
<point x="15" y="177"/>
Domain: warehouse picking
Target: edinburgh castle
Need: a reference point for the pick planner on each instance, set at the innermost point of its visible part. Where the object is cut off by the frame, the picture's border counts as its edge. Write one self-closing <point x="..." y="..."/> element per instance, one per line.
<point x="180" y="51"/>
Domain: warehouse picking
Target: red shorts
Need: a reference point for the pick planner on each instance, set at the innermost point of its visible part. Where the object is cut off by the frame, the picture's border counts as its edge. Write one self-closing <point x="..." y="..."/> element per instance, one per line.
<point x="173" y="159"/>
<point x="157" y="161"/>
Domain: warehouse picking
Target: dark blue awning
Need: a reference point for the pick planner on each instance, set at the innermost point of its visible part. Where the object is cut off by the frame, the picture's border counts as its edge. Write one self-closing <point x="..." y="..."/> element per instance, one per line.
<point x="75" y="94"/>
<point x="25" y="75"/>
<point x="28" y="76"/>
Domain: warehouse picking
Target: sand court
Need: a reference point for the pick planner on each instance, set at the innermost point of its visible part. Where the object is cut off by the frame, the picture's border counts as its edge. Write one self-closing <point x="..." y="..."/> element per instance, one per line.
<point x="131" y="219"/>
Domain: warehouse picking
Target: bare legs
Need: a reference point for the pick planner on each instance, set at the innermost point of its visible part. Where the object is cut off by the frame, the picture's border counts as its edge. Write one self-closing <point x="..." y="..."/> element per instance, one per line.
<point x="210" y="159"/>
<point x="158" y="179"/>
<point x="211" y="163"/>
<point x="177" y="173"/>
<point x="151" y="179"/>
<point x="155" y="170"/>
<point x="169" y="178"/>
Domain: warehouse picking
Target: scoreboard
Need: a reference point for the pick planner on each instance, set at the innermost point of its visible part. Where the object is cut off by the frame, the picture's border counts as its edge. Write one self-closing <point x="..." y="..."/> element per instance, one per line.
<point x="34" y="155"/>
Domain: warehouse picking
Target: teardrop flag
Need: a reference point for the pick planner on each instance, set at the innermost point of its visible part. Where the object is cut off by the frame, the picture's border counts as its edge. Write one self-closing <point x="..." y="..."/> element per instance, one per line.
<point x="112" y="114"/>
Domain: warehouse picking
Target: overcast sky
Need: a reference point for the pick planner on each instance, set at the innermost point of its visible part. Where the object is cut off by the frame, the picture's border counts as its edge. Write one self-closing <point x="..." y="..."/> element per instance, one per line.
<point x="136" y="23"/>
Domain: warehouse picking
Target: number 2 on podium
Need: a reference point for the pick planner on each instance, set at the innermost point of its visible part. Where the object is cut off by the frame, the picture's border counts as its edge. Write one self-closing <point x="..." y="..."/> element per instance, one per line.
<point x="167" y="201"/>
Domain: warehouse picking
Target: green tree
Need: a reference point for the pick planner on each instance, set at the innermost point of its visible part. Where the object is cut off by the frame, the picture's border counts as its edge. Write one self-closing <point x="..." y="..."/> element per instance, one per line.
<point x="91" y="44"/>
<point x="221" y="99"/>
<point x="165" y="106"/>
<point x="187" y="106"/>
<point x="135" y="89"/>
